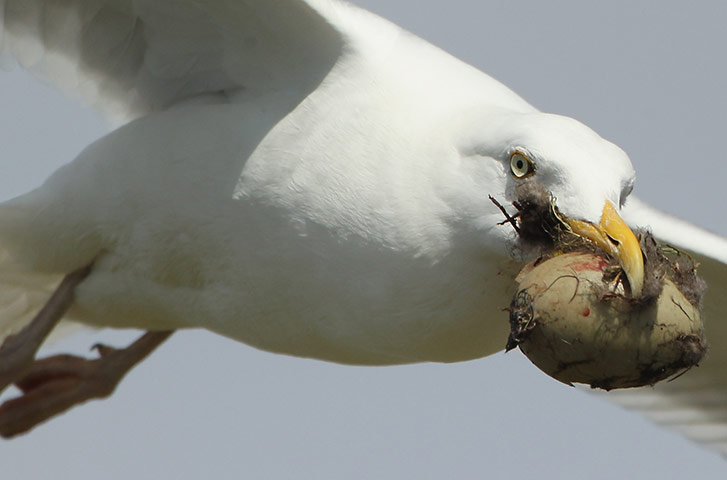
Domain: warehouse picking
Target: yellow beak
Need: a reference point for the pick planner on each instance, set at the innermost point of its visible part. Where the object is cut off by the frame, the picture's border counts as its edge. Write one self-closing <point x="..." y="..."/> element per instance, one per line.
<point x="616" y="238"/>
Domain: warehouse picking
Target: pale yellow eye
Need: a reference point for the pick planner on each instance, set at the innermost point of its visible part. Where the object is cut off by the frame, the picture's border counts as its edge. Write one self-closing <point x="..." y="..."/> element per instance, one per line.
<point x="521" y="166"/>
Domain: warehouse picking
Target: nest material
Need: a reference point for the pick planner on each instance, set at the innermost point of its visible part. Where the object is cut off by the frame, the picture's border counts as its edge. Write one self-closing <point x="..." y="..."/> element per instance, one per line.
<point x="542" y="228"/>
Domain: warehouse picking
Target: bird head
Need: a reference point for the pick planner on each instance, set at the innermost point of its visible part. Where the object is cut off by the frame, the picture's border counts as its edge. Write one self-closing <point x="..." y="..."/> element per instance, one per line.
<point x="587" y="177"/>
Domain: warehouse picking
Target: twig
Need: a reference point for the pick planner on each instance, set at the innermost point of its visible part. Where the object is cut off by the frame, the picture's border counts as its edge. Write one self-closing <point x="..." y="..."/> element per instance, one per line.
<point x="508" y="218"/>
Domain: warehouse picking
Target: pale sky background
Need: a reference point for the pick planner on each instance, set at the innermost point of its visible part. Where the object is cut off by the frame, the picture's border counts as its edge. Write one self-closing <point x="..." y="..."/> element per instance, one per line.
<point x="649" y="76"/>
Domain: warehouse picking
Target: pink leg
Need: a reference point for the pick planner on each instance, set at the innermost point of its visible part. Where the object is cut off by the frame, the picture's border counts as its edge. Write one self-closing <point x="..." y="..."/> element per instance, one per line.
<point x="17" y="351"/>
<point x="52" y="385"/>
<point x="55" y="384"/>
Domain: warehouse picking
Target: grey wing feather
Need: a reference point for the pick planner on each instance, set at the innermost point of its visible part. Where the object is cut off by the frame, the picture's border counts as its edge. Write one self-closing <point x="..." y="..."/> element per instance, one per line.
<point x="694" y="404"/>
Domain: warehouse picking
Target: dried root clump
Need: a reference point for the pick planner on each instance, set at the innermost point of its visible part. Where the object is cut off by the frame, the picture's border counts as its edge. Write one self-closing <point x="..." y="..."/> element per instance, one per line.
<point x="662" y="262"/>
<point x="542" y="226"/>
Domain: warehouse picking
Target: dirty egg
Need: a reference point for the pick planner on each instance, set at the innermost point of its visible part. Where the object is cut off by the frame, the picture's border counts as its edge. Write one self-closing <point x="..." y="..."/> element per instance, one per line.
<point x="573" y="315"/>
<point x="570" y="320"/>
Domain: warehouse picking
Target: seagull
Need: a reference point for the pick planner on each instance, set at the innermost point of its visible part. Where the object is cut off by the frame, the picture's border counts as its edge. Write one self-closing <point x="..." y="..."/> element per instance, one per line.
<point x="304" y="177"/>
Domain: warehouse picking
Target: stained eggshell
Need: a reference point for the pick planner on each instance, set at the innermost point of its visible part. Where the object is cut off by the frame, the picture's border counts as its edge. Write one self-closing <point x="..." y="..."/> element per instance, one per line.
<point x="569" y="322"/>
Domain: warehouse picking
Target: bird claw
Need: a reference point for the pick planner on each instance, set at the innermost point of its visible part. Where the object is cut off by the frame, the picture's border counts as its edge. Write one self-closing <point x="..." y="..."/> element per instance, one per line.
<point x="103" y="350"/>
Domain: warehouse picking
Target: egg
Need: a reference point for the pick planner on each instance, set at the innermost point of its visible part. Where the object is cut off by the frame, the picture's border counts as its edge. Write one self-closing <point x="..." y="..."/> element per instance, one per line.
<point x="572" y="318"/>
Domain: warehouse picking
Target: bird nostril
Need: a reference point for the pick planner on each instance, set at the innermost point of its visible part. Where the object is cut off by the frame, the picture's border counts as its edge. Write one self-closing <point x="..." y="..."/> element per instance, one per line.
<point x="613" y="240"/>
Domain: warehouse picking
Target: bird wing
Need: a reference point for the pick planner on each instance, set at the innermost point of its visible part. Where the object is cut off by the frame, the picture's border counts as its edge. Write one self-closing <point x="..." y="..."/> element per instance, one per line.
<point x="694" y="404"/>
<point x="131" y="57"/>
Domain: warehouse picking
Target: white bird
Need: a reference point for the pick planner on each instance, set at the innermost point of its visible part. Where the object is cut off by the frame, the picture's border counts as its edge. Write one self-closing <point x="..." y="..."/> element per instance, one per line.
<point x="309" y="179"/>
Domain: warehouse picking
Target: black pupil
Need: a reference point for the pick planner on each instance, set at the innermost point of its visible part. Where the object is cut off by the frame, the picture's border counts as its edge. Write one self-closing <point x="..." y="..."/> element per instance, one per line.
<point x="520" y="164"/>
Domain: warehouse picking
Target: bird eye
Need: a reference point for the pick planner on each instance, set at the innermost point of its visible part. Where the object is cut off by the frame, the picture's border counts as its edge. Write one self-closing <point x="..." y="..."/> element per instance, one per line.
<point x="521" y="166"/>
